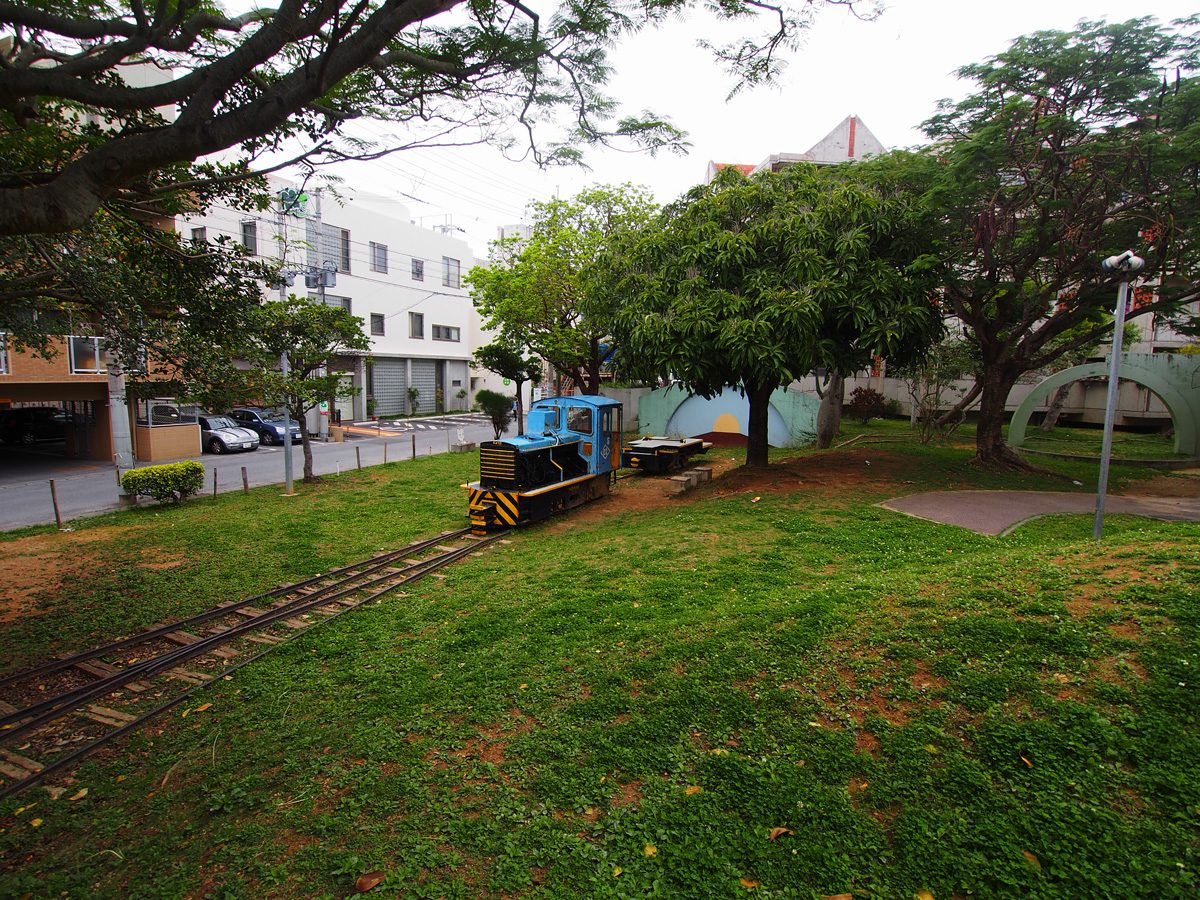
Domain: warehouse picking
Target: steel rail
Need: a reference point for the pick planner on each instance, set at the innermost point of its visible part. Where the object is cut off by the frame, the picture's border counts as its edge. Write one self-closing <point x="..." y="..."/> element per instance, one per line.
<point x="82" y="752"/>
<point x="33" y="717"/>
<point x="154" y="633"/>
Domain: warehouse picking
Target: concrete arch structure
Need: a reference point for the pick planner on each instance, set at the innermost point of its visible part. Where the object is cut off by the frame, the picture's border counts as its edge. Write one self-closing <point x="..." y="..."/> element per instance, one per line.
<point x="673" y="412"/>
<point x="1173" y="377"/>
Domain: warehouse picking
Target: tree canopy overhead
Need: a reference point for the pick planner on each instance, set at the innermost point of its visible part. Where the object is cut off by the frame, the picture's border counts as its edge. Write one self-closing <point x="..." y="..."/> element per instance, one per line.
<point x="755" y="282"/>
<point x="120" y="98"/>
<point x="1075" y="146"/>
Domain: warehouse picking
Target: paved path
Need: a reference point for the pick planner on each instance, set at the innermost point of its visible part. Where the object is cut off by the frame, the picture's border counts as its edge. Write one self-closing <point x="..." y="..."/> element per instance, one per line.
<point x="999" y="512"/>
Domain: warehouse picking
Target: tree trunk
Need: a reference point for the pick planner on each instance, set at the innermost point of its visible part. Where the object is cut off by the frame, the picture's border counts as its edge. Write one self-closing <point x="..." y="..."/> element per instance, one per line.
<point x="990" y="447"/>
<point x="1056" y="407"/>
<point x="520" y="407"/>
<point x="756" y="429"/>
<point x="829" y="414"/>
<point x="306" y="443"/>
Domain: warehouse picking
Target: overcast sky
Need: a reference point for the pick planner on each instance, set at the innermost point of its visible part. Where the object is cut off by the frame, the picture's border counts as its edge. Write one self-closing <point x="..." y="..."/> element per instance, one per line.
<point x="890" y="73"/>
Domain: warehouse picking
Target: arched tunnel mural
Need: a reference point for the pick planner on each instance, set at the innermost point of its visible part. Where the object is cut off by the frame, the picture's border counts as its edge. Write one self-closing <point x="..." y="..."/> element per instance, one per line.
<point x="1173" y="377"/>
<point x="672" y="412"/>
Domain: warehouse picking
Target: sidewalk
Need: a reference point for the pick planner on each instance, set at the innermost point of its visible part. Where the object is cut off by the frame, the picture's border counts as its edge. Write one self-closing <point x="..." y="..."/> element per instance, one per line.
<point x="999" y="512"/>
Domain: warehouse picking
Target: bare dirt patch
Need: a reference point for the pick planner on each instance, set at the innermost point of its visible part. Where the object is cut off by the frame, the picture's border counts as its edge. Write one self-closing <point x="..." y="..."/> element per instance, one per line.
<point x="825" y="475"/>
<point x="1164" y="484"/>
<point x="37" y="564"/>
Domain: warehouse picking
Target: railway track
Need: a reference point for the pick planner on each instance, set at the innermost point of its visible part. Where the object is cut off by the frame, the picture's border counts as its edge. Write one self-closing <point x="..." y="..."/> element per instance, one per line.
<point x="55" y="714"/>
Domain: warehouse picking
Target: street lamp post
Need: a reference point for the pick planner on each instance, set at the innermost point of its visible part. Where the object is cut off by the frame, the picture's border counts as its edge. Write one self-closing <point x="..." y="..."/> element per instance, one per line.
<point x="1126" y="263"/>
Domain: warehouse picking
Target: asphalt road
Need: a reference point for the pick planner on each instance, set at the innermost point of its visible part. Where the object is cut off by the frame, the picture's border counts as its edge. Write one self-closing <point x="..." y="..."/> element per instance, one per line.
<point x="87" y="487"/>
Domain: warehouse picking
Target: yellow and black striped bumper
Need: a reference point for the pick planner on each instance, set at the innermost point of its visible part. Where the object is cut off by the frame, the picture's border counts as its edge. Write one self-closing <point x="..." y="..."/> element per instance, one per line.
<point x="489" y="507"/>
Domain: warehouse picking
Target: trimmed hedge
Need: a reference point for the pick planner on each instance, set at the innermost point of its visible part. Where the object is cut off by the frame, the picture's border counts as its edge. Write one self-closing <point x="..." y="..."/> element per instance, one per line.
<point x="169" y="483"/>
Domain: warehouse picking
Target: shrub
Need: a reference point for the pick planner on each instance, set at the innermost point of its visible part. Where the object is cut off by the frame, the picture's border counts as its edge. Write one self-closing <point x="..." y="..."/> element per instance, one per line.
<point x="866" y="404"/>
<point x="497" y="407"/>
<point x="169" y="483"/>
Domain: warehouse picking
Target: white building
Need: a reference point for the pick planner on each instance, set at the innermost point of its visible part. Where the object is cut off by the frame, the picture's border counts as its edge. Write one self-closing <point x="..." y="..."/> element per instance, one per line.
<point x="404" y="281"/>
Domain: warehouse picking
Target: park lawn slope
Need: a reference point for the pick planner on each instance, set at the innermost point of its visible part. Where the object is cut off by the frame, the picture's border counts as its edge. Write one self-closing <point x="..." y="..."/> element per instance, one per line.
<point x="767" y="687"/>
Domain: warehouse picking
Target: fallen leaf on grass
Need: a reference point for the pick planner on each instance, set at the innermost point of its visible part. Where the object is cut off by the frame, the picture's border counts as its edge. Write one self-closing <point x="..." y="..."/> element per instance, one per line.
<point x="719" y="751"/>
<point x="1034" y="862"/>
<point x="617" y="871"/>
<point x="838" y="896"/>
<point x="650" y="850"/>
<point x="368" y="881"/>
<point x="202" y="707"/>
<point x="746" y="882"/>
<point x="776" y="832"/>
<point x="930" y="748"/>
<point x="1027" y="762"/>
<point x="693" y="789"/>
<point x="78" y="795"/>
<point x="923" y="895"/>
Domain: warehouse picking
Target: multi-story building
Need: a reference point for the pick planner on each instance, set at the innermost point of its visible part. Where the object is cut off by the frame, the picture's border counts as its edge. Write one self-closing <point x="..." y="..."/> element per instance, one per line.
<point x="355" y="250"/>
<point x="366" y="254"/>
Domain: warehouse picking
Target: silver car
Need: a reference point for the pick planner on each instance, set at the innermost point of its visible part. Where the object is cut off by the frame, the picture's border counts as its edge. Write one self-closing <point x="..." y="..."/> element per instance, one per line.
<point x="220" y="434"/>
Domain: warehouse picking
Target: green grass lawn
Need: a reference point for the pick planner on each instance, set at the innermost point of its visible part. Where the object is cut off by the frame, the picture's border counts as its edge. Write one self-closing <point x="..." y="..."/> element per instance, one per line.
<point x="1086" y="442"/>
<point x="785" y="693"/>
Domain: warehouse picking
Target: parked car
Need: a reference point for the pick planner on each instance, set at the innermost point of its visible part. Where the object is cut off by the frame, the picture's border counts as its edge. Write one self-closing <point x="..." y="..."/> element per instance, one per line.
<point x="27" y="424"/>
<point x="266" y="423"/>
<point x="220" y="434"/>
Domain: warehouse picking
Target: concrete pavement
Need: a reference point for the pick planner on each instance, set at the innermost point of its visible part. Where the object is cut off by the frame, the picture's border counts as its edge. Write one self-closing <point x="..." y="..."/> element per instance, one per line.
<point x="999" y="512"/>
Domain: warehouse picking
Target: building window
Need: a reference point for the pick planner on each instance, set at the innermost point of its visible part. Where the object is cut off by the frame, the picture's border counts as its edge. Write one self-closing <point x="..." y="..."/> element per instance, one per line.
<point x="416" y="325"/>
<point x="376" y="323"/>
<point x="445" y="333"/>
<point x="87" y="356"/>
<point x="344" y="250"/>
<point x="450" y="269"/>
<point x="378" y="257"/>
<point x="418" y="270"/>
<point x="200" y="235"/>
<point x="3" y="354"/>
<point x="250" y="237"/>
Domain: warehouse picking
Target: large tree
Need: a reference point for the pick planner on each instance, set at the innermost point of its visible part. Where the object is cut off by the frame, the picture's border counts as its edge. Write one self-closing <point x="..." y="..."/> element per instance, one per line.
<point x="535" y="289"/>
<point x="1074" y="147"/>
<point x="756" y="282"/>
<point x="147" y="90"/>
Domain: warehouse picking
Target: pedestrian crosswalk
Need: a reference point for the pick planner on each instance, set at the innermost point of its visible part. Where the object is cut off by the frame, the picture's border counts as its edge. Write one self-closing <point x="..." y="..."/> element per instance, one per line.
<point x="429" y="423"/>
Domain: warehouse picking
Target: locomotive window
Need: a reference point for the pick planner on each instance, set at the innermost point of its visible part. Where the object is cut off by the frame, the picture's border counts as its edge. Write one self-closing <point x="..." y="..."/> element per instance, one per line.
<point x="579" y="419"/>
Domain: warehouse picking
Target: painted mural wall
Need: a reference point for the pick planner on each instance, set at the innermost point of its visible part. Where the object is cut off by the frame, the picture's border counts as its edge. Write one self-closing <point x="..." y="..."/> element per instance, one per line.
<point x="672" y="412"/>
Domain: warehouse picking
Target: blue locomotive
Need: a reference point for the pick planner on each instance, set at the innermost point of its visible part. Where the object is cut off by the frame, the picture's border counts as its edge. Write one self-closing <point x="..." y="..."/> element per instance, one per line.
<point x="568" y="455"/>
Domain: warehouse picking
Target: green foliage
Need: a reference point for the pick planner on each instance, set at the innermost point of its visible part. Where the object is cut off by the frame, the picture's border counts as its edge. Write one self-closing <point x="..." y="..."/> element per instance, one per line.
<point x="535" y="290"/>
<point x="755" y="282"/>
<point x="1071" y="148"/>
<point x="312" y="335"/>
<point x="168" y="483"/>
<point x="497" y="407"/>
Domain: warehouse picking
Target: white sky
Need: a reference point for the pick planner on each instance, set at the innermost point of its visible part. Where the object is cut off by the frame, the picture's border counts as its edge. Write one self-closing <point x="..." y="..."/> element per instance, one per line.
<point x="890" y="73"/>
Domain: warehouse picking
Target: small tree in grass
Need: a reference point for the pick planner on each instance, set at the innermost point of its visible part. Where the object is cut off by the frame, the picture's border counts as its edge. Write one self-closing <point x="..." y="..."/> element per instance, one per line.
<point x="497" y="407"/>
